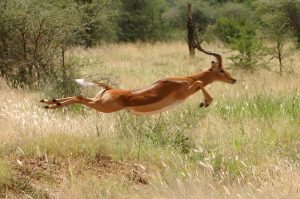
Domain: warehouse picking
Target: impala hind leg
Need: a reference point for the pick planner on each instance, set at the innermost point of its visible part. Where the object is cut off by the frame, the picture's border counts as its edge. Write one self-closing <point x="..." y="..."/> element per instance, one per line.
<point x="105" y="105"/>
<point x="57" y="103"/>
<point x="45" y="101"/>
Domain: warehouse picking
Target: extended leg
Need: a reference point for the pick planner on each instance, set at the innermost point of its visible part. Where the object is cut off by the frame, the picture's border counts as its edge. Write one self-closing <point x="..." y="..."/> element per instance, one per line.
<point x="207" y="99"/>
<point x="67" y="101"/>
<point x="106" y="105"/>
<point x="55" y="101"/>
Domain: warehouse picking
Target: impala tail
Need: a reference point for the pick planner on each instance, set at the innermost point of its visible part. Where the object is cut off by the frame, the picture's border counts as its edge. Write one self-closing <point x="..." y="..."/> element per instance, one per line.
<point x="83" y="82"/>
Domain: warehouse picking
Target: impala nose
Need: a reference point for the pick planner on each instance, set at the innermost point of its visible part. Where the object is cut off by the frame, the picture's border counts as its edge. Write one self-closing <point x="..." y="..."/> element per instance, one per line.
<point x="233" y="81"/>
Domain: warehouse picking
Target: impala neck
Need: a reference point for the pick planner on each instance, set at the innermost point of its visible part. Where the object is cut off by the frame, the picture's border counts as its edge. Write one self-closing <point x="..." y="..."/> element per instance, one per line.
<point x="206" y="77"/>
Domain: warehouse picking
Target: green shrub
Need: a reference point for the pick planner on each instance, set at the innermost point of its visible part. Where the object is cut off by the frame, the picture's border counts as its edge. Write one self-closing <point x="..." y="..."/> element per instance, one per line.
<point x="34" y="36"/>
<point x="61" y="83"/>
<point x="275" y="29"/>
<point x="99" y="20"/>
<point x="142" y="21"/>
<point x="237" y="27"/>
<point x="292" y="11"/>
<point x="250" y="49"/>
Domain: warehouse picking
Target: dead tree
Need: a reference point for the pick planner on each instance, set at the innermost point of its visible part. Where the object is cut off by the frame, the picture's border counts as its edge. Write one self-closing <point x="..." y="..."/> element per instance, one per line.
<point x="193" y="40"/>
<point x="191" y="31"/>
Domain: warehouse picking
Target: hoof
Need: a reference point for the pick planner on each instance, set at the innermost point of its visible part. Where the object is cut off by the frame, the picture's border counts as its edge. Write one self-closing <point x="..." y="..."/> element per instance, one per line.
<point x="203" y="105"/>
<point x="42" y="100"/>
<point x="46" y="107"/>
<point x="54" y="100"/>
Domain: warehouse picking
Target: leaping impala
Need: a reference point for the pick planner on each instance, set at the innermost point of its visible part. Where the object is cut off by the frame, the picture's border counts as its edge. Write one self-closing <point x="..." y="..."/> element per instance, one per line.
<point x="160" y="96"/>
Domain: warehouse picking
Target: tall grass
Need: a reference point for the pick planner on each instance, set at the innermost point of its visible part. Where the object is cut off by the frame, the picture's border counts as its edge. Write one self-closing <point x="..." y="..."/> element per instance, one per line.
<point x="245" y="145"/>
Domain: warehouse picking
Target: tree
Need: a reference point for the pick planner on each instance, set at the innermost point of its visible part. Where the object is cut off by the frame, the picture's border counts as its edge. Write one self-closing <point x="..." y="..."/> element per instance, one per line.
<point x="250" y="49"/>
<point x="231" y="18"/>
<point x="292" y="12"/>
<point x="237" y="27"/>
<point x="142" y="20"/>
<point x="100" y="20"/>
<point x="191" y="31"/>
<point x="275" y="28"/>
<point x="34" y="36"/>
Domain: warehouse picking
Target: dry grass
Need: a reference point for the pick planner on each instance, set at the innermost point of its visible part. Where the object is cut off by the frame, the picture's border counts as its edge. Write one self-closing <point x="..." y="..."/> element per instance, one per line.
<point x="246" y="145"/>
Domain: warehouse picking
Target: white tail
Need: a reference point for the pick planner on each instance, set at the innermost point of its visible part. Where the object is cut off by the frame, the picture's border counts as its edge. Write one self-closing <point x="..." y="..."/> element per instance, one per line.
<point x="83" y="82"/>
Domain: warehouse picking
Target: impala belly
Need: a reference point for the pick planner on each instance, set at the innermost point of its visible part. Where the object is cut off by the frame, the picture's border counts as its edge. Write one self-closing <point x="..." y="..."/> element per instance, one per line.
<point x="156" y="107"/>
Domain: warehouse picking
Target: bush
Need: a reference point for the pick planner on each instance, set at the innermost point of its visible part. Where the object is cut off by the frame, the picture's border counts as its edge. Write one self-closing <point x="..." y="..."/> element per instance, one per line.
<point x="275" y="28"/>
<point x="142" y="21"/>
<point x="227" y="29"/>
<point x="100" y="21"/>
<point x="249" y="47"/>
<point x="231" y="18"/>
<point x="292" y="12"/>
<point x="34" y="36"/>
<point x="236" y="26"/>
<point x="61" y="83"/>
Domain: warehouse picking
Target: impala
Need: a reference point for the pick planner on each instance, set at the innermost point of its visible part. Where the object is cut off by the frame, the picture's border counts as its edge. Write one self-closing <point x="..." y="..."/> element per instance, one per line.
<point x="160" y="96"/>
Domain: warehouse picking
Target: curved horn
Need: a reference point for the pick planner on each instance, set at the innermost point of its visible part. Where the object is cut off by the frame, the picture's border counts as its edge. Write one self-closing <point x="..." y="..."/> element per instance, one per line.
<point x="193" y="40"/>
<point x="217" y="56"/>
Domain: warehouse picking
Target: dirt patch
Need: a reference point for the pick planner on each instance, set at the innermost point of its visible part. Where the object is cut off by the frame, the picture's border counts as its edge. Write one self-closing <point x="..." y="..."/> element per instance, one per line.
<point x="37" y="174"/>
<point x="37" y="169"/>
<point x="104" y="167"/>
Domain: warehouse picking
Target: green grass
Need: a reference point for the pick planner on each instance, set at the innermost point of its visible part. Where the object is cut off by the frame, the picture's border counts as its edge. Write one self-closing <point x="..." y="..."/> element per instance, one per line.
<point x="263" y="107"/>
<point x="5" y="174"/>
<point x="61" y="145"/>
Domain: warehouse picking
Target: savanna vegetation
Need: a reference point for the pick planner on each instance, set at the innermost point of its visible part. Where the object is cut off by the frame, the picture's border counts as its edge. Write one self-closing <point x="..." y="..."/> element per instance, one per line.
<point x="245" y="145"/>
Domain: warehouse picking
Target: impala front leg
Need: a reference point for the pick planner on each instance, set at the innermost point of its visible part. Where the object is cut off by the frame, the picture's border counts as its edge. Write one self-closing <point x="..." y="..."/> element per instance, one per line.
<point x="207" y="98"/>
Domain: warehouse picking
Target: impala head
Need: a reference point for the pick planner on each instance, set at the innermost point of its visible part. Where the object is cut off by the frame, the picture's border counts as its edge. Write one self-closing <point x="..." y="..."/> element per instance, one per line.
<point x="216" y="69"/>
<point x="219" y="74"/>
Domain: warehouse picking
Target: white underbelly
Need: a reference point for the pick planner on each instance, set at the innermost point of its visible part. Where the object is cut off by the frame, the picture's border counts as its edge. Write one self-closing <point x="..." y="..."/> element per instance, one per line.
<point x="135" y="110"/>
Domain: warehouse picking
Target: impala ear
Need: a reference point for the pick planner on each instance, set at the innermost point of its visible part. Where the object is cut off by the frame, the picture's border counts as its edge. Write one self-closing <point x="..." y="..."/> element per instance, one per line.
<point x="214" y="64"/>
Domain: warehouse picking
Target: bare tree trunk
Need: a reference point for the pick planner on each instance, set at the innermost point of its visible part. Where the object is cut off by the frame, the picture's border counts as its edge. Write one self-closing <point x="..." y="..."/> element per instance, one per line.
<point x="63" y="64"/>
<point x="190" y="31"/>
<point x="279" y="50"/>
<point x="89" y="29"/>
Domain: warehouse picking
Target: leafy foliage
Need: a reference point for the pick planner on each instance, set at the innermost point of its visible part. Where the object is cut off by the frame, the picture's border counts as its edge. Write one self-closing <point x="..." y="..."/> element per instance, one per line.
<point x="275" y="28"/>
<point x="33" y="36"/>
<point x="231" y="20"/>
<point x="249" y="47"/>
<point x="100" y="21"/>
<point x="292" y="11"/>
<point x="142" y="20"/>
<point x="237" y="27"/>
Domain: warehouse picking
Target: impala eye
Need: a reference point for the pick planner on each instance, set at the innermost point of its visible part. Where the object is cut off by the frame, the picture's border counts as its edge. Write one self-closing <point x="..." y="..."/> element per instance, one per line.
<point x="222" y="71"/>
